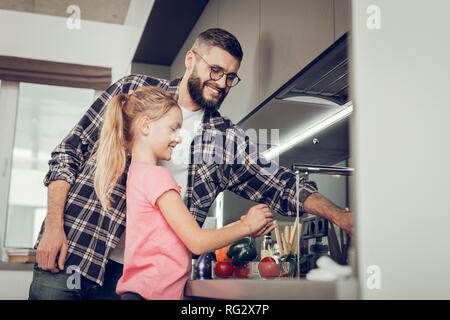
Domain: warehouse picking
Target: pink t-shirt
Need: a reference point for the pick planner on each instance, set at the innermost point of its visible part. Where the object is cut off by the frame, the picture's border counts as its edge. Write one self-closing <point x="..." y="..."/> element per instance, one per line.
<point x="157" y="264"/>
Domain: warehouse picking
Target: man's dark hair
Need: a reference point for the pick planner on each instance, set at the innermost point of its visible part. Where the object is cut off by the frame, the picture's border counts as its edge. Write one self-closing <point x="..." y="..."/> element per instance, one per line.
<point x="221" y="38"/>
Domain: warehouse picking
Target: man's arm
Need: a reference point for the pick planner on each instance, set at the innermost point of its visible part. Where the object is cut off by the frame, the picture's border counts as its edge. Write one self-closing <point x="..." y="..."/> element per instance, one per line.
<point x="265" y="182"/>
<point x="319" y="206"/>
<point x="54" y="239"/>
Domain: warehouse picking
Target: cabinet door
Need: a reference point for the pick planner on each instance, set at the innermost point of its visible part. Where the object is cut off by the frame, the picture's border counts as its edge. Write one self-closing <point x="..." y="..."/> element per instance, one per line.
<point x="342" y="17"/>
<point x="243" y="21"/>
<point x="293" y="33"/>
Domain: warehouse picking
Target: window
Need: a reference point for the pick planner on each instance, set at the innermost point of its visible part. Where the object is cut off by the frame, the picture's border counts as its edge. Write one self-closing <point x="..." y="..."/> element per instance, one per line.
<point x="44" y="115"/>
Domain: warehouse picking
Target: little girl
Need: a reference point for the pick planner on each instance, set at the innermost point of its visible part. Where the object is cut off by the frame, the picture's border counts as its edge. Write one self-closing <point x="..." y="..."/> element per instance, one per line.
<point x="161" y="232"/>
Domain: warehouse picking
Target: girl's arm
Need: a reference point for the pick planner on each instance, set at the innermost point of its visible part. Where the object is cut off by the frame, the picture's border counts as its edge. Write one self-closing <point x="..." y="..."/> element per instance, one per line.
<point x="198" y="240"/>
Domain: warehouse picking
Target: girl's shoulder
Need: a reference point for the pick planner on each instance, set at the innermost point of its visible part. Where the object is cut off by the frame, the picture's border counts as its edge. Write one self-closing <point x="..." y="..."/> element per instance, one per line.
<point x="151" y="180"/>
<point x="147" y="170"/>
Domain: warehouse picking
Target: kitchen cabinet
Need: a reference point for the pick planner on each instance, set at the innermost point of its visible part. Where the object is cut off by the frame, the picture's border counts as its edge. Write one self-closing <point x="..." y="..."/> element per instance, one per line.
<point x="243" y="22"/>
<point x="342" y="17"/>
<point x="208" y="19"/>
<point x="278" y="38"/>
<point x="292" y="34"/>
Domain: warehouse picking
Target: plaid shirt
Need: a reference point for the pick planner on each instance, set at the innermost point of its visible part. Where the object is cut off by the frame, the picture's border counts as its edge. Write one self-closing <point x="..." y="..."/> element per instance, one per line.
<point x="222" y="158"/>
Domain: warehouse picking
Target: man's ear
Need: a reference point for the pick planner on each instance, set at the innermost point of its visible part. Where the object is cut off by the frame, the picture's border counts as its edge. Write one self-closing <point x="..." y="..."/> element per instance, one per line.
<point x="189" y="60"/>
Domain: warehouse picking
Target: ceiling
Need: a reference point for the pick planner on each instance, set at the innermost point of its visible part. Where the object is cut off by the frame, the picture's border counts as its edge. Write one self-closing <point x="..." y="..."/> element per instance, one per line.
<point x="168" y="27"/>
<point x="108" y="11"/>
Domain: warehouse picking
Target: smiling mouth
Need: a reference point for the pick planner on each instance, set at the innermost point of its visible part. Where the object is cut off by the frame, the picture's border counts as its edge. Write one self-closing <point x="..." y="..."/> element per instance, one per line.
<point x="215" y="91"/>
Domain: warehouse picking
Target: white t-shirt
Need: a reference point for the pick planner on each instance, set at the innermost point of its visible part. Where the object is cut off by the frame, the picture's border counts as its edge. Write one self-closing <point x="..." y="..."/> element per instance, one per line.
<point x="178" y="164"/>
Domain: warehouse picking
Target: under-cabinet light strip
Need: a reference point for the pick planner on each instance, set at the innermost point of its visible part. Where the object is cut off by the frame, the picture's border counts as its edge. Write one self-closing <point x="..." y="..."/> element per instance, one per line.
<point x="276" y="151"/>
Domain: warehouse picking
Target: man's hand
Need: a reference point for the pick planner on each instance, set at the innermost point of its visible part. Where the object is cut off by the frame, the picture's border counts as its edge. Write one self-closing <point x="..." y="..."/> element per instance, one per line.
<point x="53" y="240"/>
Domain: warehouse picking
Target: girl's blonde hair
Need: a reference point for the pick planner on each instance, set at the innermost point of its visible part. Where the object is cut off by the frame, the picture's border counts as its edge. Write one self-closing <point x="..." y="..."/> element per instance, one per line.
<point x="116" y="135"/>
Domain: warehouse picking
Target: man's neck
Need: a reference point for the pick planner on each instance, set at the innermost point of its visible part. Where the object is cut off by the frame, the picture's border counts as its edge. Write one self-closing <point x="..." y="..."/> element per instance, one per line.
<point x="184" y="98"/>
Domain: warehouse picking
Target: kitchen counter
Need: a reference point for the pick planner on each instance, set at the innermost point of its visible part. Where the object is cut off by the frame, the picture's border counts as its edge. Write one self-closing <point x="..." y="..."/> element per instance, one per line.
<point x="273" y="289"/>
<point x="16" y="266"/>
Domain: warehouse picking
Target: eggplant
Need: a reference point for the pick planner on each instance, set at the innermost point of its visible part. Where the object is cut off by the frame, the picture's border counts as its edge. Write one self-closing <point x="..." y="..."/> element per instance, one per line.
<point x="203" y="266"/>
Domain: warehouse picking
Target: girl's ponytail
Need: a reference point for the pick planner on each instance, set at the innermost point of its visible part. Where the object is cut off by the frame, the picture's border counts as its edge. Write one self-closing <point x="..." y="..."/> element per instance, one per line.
<point x="111" y="154"/>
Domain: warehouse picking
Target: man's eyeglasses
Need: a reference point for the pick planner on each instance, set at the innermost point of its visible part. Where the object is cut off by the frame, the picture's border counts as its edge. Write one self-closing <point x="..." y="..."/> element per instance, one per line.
<point x="216" y="73"/>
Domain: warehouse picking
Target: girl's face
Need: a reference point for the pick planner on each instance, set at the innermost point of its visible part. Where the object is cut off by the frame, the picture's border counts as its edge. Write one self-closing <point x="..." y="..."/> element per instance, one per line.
<point x="163" y="135"/>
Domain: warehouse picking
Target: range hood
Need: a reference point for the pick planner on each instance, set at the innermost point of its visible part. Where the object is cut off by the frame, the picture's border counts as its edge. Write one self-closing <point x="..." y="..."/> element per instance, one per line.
<point x="315" y="94"/>
<point x="326" y="77"/>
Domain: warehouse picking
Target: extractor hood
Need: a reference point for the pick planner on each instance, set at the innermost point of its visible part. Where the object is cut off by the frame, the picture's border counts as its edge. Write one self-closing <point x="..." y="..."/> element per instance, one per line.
<point x="326" y="77"/>
<point x="318" y="92"/>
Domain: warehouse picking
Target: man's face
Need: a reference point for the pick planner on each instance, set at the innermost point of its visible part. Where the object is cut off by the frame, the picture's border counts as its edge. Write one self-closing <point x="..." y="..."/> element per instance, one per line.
<point x="205" y="92"/>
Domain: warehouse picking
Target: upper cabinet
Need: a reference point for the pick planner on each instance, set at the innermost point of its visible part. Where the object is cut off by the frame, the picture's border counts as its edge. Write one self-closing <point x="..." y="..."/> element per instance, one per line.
<point x="208" y="19"/>
<point x="342" y="17"/>
<point x="241" y="18"/>
<point x="293" y="33"/>
<point x="279" y="38"/>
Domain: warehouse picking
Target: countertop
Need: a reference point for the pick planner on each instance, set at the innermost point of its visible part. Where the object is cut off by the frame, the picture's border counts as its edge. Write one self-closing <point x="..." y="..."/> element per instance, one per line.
<point x="16" y="266"/>
<point x="272" y="289"/>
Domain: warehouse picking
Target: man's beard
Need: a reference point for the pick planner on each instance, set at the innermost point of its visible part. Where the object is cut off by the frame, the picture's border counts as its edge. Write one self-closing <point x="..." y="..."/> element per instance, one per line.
<point x="195" y="88"/>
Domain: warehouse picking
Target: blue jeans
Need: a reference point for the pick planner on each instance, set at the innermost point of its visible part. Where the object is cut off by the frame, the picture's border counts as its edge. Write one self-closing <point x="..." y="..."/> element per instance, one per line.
<point x="70" y="285"/>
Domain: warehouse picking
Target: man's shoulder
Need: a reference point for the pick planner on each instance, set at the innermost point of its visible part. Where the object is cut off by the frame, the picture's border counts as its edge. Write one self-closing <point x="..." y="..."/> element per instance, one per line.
<point x="221" y="122"/>
<point x="137" y="80"/>
<point x="141" y="80"/>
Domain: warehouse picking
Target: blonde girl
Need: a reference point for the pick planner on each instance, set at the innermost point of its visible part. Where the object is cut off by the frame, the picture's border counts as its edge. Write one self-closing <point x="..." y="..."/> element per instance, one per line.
<point x="161" y="233"/>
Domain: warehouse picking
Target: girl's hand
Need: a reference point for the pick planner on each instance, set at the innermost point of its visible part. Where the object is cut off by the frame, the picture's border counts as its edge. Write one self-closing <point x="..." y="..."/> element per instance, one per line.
<point x="257" y="218"/>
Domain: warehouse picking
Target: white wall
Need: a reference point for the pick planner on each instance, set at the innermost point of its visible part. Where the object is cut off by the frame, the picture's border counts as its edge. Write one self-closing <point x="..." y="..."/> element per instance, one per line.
<point x="45" y="37"/>
<point x="401" y="148"/>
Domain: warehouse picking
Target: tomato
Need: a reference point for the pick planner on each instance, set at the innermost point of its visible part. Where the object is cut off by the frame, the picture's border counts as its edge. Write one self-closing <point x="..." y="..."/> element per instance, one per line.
<point x="268" y="268"/>
<point x="268" y="259"/>
<point x="241" y="271"/>
<point x="221" y="254"/>
<point x="223" y="269"/>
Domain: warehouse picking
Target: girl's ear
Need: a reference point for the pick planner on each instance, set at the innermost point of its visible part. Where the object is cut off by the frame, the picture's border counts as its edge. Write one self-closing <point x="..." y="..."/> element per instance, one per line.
<point x="144" y="125"/>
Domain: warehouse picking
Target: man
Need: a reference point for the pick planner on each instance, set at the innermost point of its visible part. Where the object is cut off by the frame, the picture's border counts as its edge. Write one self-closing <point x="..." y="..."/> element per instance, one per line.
<point x="78" y="235"/>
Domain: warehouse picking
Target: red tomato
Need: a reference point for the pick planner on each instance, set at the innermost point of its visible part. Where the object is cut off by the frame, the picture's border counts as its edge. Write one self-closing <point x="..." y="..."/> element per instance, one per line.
<point x="268" y="268"/>
<point x="223" y="269"/>
<point x="268" y="259"/>
<point x="241" y="271"/>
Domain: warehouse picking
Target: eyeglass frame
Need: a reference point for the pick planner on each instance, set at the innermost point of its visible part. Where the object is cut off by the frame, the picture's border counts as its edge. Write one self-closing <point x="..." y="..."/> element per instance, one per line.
<point x="223" y="73"/>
